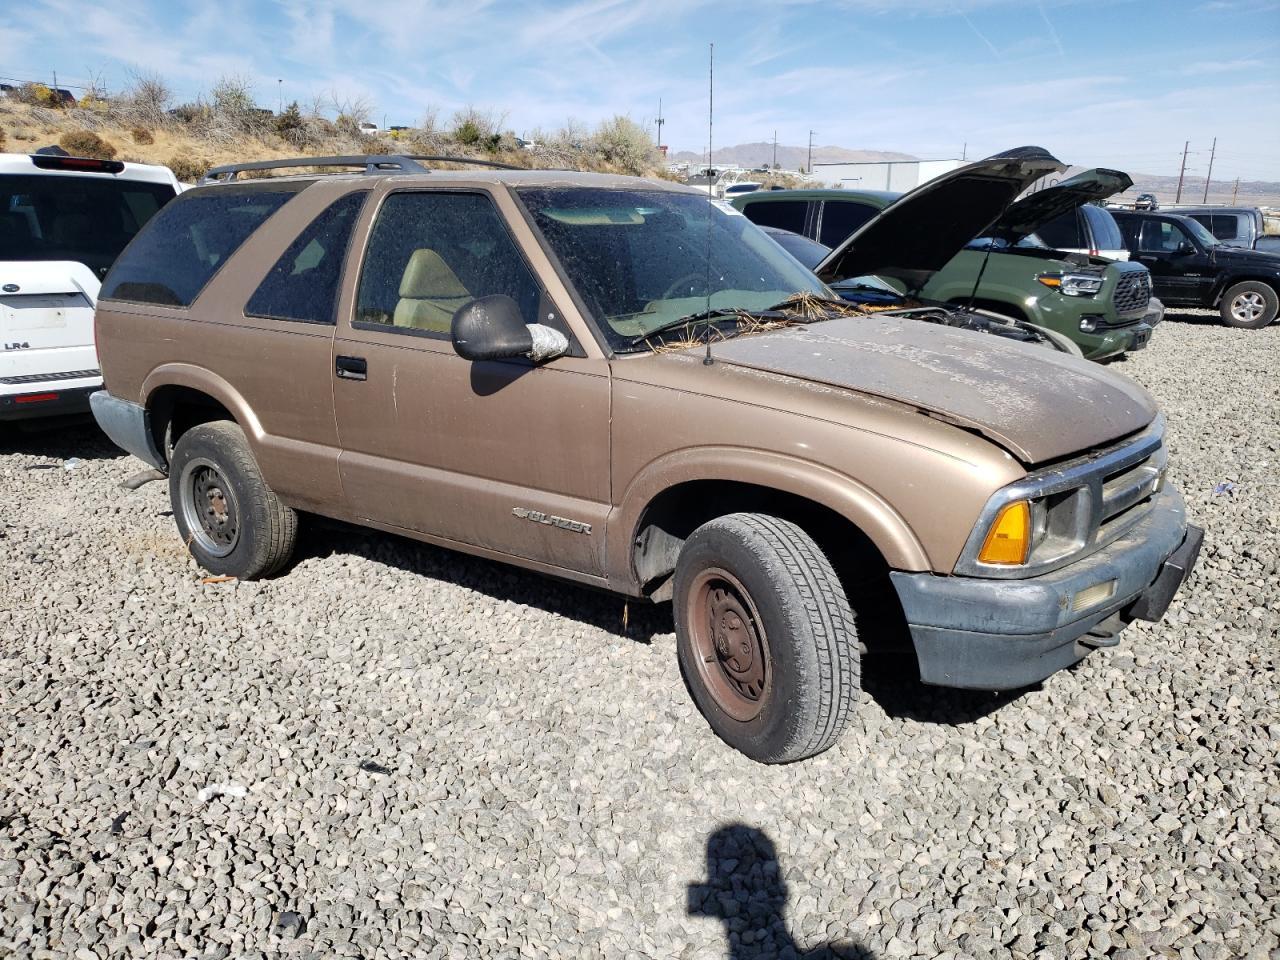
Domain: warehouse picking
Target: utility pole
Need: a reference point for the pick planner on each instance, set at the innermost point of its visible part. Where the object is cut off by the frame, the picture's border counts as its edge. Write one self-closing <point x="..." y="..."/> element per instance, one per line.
<point x="1236" y="192"/>
<point x="964" y="151"/>
<point x="280" y="96"/>
<point x="775" y="149"/>
<point x="809" y="169"/>
<point x="660" y="121"/>
<point x="1207" y="176"/>
<point x="1183" y="171"/>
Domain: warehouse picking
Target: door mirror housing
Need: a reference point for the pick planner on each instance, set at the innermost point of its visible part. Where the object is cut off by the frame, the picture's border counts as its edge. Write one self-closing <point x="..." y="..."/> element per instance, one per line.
<point x="492" y="328"/>
<point x="1185" y="248"/>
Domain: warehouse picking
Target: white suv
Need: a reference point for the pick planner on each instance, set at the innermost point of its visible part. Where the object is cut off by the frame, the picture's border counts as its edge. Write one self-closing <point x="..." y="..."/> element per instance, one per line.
<point x="63" y="222"/>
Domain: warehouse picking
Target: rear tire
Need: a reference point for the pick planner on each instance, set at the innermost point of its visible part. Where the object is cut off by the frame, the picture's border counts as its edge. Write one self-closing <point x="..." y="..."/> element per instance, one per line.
<point x="1249" y="305"/>
<point x="230" y="520"/>
<point x="765" y="637"/>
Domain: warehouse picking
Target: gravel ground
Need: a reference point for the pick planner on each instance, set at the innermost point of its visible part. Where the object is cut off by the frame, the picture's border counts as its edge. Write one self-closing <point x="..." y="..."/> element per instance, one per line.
<point x="396" y="751"/>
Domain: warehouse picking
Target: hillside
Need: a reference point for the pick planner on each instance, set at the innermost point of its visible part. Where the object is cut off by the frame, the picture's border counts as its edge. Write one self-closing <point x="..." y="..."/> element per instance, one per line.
<point x="789" y="158"/>
<point x="194" y="137"/>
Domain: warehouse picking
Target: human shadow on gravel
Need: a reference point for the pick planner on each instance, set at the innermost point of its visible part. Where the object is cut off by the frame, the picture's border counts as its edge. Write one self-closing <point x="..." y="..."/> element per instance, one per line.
<point x="637" y="620"/>
<point x="745" y="891"/>
<point x="58" y="439"/>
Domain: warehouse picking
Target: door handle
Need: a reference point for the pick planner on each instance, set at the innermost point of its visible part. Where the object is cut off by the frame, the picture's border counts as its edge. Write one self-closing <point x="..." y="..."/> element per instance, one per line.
<point x="351" y="368"/>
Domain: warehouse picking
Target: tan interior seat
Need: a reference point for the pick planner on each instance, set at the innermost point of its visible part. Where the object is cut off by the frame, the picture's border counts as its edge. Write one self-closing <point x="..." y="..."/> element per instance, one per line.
<point x="430" y="293"/>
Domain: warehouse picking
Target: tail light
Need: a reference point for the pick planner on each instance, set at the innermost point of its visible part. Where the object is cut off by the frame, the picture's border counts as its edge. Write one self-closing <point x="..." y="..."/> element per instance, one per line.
<point x="82" y="164"/>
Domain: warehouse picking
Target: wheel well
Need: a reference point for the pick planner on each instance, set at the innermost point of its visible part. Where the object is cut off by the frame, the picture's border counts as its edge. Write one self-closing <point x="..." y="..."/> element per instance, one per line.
<point x="676" y="512"/>
<point x="995" y="306"/>
<point x="175" y="410"/>
<point x="1226" y="285"/>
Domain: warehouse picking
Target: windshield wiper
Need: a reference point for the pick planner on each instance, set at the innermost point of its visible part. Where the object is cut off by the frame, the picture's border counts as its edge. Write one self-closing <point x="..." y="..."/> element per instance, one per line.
<point x="701" y="317"/>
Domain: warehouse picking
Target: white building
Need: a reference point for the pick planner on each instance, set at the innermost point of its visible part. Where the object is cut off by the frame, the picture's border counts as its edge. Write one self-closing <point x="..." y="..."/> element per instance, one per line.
<point x="897" y="175"/>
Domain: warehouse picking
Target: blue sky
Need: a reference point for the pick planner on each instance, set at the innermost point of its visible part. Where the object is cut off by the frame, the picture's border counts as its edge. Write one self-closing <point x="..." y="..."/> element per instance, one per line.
<point x="1111" y="83"/>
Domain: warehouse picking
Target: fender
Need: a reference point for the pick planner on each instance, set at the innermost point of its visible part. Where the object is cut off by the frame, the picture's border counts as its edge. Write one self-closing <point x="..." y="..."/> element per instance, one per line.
<point x="201" y="379"/>
<point x="864" y="508"/>
<point x="303" y="474"/>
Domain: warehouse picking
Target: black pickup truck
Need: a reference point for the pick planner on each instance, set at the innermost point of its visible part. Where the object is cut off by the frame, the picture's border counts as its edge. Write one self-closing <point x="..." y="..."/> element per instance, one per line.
<point x="1190" y="268"/>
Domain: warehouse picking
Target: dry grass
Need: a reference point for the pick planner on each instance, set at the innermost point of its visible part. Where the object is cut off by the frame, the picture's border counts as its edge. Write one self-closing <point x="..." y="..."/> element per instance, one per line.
<point x="202" y="138"/>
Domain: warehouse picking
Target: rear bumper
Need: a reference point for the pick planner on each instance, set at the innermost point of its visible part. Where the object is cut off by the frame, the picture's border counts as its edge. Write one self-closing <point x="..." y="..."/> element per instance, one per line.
<point x="128" y="425"/>
<point x="52" y="402"/>
<point x="1003" y="634"/>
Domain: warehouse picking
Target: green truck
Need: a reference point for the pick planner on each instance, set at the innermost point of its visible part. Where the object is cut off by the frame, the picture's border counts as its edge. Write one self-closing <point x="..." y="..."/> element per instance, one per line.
<point x="916" y="242"/>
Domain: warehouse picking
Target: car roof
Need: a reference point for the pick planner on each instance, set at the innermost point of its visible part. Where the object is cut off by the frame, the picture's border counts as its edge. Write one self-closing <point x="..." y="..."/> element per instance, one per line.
<point x="882" y="197"/>
<point x="145" y="172"/>
<point x="512" y="178"/>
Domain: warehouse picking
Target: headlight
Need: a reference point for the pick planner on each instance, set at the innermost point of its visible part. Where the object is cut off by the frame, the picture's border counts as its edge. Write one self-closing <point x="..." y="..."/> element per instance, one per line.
<point x="1079" y="285"/>
<point x="1072" y="284"/>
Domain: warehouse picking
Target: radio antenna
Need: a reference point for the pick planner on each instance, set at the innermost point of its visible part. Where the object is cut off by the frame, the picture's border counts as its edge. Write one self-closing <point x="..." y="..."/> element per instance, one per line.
<point x="711" y="193"/>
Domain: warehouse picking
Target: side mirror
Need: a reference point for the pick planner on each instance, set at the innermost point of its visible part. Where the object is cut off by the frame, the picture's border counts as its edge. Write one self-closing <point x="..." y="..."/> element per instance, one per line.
<point x="492" y="328"/>
<point x="1184" y="249"/>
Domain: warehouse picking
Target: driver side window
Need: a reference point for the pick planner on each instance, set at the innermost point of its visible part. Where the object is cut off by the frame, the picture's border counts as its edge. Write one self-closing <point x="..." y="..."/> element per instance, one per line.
<point x="1161" y="236"/>
<point x="432" y="253"/>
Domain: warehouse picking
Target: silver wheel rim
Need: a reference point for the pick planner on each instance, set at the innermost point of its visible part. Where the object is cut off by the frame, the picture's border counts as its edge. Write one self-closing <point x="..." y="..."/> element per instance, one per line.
<point x="199" y="515"/>
<point x="1248" y="307"/>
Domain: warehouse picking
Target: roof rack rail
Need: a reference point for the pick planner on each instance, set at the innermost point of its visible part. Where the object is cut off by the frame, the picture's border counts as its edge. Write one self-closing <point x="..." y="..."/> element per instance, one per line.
<point x="373" y="164"/>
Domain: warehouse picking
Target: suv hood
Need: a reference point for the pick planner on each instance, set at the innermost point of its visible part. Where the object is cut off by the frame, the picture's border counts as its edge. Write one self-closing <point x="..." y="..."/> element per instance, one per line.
<point x="1028" y="214"/>
<point x="1037" y="404"/>
<point x="917" y="234"/>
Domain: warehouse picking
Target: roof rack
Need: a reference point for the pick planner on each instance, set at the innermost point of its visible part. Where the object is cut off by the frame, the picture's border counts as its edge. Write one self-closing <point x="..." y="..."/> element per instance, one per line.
<point x="372" y="164"/>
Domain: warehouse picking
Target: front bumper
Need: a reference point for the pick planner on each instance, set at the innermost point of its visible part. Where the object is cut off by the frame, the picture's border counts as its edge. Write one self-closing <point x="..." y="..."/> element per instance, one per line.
<point x="128" y="426"/>
<point x="51" y="402"/>
<point x="1002" y="634"/>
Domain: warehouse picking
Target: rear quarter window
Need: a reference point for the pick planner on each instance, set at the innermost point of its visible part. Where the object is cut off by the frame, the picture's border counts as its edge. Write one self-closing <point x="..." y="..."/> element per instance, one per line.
<point x="841" y="218"/>
<point x="1106" y="232"/>
<point x="184" y="245"/>
<point x="787" y="214"/>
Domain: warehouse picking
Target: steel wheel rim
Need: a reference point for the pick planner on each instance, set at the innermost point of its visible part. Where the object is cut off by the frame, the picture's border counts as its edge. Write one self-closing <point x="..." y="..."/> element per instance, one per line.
<point x="729" y="644"/>
<point x="210" y="510"/>
<point x="1248" y="306"/>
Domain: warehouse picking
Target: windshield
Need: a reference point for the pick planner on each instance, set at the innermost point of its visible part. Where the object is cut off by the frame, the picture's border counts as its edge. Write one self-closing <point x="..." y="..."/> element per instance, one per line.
<point x="84" y="219"/>
<point x="1200" y="232"/>
<point x="644" y="259"/>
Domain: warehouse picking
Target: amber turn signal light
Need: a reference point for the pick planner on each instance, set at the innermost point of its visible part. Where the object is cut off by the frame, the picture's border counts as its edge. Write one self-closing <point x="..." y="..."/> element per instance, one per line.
<point x="1009" y="539"/>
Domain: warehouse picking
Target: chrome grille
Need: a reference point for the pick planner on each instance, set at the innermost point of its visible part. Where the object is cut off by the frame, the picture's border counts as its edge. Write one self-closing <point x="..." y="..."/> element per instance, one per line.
<point x="43" y="377"/>
<point x="1133" y="291"/>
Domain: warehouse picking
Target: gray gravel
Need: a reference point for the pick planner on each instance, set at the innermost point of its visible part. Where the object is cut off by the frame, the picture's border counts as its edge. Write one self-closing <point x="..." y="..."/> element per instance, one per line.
<point x="395" y="751"/>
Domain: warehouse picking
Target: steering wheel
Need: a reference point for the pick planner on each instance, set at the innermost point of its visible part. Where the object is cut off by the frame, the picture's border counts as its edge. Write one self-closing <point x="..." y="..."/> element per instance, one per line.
<point x="667" y="294"/>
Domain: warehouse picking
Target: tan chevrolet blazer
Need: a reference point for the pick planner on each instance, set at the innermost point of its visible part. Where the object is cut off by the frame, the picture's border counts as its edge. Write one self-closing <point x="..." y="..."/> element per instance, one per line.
<point x="619" y="382"/>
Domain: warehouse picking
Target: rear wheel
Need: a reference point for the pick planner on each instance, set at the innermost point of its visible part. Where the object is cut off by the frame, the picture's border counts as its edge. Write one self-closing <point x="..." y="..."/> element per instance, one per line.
<point x="230" y="520"/>
<point x="1250" y="305"/>
<point x="765" y="637"/>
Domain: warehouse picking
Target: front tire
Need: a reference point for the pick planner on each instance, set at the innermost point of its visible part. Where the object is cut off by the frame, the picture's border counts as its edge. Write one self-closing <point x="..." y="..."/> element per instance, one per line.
<point x="229" y="518"/>
<point x="1249" y="305"/>
<point x="765" y="637"/>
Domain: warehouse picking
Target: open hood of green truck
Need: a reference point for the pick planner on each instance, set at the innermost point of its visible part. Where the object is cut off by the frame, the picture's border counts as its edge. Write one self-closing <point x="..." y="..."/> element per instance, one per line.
<point x="917" y="234"/>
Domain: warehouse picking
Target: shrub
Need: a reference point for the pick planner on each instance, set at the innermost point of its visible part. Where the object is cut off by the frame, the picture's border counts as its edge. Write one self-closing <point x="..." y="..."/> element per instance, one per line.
<point x="148" y="97"/>
<point x="289" y="124"/>
<point x="37" y="95"/>
<point x="623" y="143"/>
<point x="2" y="139"/>
<point x="187" y="168"/>
<point x="86" y="143"/>
<point x="475" y="128"/>
<point x="143" y="136"/>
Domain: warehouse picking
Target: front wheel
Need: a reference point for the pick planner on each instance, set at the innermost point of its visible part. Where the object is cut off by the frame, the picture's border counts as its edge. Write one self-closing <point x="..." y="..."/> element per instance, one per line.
<point x="1250" y="305"/>
<point x="765" y="637"/>
<point x="232" y="522"/>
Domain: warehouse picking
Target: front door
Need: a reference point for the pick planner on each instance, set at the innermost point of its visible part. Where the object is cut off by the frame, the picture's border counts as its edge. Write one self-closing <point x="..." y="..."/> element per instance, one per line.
<point x="504" y="456"/>
<point x="1180" y="270"/>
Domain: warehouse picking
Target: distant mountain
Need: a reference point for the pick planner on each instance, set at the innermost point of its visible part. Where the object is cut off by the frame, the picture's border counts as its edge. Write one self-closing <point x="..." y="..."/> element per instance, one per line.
<point x="1252" y="193"/>
<point x="789" y="158"/>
